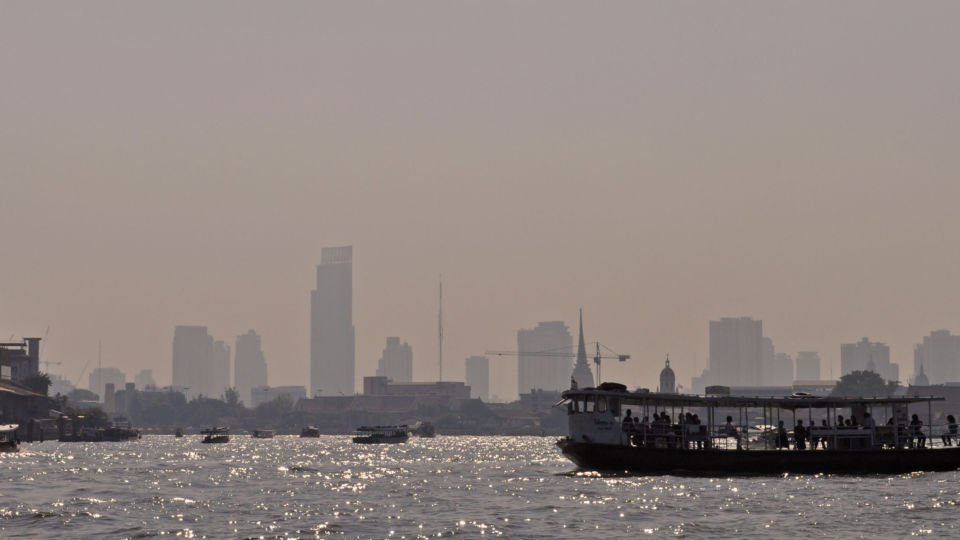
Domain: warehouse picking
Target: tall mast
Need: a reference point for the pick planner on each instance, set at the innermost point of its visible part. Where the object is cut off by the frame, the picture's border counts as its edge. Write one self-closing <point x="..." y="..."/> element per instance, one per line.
<point x="100" y="371"/>
<point x="440" y="331"/>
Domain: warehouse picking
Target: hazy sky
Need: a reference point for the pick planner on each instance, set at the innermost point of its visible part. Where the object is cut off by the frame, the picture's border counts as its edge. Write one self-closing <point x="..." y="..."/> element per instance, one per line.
<point x="660" y="164"/>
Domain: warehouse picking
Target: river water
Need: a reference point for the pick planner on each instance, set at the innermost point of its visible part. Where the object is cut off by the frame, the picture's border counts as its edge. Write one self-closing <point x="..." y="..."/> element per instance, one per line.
<point x="514" y="487"/>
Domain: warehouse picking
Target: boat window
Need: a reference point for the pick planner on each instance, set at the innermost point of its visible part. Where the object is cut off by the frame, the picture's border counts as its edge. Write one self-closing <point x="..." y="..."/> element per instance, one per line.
<point x="601" y="404"/>
<point x="615" y="406"/>
<point x="587" y="404"/>
<point x="572" y="406"/>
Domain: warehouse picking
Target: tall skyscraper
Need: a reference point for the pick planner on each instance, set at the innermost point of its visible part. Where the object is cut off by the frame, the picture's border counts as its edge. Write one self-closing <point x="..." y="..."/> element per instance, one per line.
<point x="538" y="369"/>
<point x="220" y="370"/>
<point x="939" y="357"/>
<point x="780" y="371"/>
<point x="193" y="360"/>
<point x="397" y="361"/>
<point x="867" y="355"/>
<point x="808" y="366"/>
<point x="736" y="352"/>
<point x="250" y="366"/>
<point x="478" y="377"/>
<point x="99" y="378"/>
<point x="332" y="339"/>
<point x="144" y="379"/>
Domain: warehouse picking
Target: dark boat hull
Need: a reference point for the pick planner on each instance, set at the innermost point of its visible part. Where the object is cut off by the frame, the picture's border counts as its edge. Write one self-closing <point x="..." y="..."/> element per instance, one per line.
<point x="614" y="458"/>
<point x="374" y="439"/>
<point x="212" y="439"/>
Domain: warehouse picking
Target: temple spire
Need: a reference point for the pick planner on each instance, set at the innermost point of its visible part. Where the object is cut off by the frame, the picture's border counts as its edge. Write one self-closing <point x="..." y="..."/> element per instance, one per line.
<point x="582" y="375"/>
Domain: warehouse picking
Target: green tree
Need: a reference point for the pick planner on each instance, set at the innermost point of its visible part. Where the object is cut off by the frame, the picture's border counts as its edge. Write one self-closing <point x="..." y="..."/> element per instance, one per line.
<point x="864" y="383"/>
<point x="39" y="383"/>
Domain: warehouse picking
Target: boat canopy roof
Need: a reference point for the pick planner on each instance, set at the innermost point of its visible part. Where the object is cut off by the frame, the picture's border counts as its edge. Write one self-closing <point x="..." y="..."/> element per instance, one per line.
<point x="787" y="402"/>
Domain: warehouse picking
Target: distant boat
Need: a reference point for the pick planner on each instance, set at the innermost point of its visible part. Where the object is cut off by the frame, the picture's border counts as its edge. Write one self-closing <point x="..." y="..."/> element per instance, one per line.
<point x="263" y="433"/>
<point x="216" y="435"/>
<point x="310" y="431"/>
<point x="381" y="434"/>
<point x="178" y="433"/>
<point x="8" y="438"/>
<point x="424" y="429"/>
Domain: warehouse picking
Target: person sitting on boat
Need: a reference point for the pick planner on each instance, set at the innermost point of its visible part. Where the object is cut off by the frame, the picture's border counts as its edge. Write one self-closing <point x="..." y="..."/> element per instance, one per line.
<point x="868" y="421"/>
<point x="730" y="430"/>
<point x="782" y="440"/>
<point x="840" y="421"/>
<point x="916" y="431"/>
<point x="799" y="436"/>
<point x="824" y="425"/>
<point x="853" y="421"/>
<point x="951" y="433"/>
<point x="628" y="421"/>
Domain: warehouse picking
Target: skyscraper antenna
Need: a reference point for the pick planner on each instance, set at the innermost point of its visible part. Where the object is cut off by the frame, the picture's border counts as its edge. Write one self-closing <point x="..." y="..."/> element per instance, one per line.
<point x="440" y="331"/>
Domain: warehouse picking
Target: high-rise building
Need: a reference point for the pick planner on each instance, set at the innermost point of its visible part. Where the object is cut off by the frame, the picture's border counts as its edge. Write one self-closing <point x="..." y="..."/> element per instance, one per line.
<point x="193" y="360"/>
<point x="866" y="355"/>
<point x="808" y="366"/>
<point x="397" y="361"/>
<point x="99" y="378"/>
<point x="478" y="377"/>
<point x="780" y="371"/>
<point x="250" y="366"/>
<point x="736" y="352"/>
<point x="220" y="372"/>
<point x="538" y="369"/>
<point x="144" y="380"/>
<point x="332" y="339"/>
<point x="938" y="357"/>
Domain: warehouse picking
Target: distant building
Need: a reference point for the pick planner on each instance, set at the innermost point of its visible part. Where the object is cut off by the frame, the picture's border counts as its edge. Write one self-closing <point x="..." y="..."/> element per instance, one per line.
<point x="478" y="377"/>
<point x="381" y="386"/>
<point x="220" y="373"/>
<point x="736" y="353"/>
<point x="265" y="394"/>
<point x="99" y="378"/>
<point x="938" y="357"/>
<point x="144" y="380"/>
<point x="200" y="364"/>
<point x="808" y="366"/>
<point x="668" y="381"/>
<point x="250" y="366"/>
<point x="537" y="368"/>
<point x="332" y="338"/>
<point x="59" y="385"/>
<point x="397" y="361"/>
<point x="866" y="355"/>
<point x="780" y="371"/>
<point x="19" y="359"/>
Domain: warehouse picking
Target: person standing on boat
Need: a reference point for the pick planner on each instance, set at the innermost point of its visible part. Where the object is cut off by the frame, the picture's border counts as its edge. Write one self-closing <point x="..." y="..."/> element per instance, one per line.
<point x="783" y="441"/>
<point x="916" y="431"/>
<point x="799" y="436"/>
<point x="730" y="430"/>
<point x="951" y="433"/>
<point x="628" y="421"/>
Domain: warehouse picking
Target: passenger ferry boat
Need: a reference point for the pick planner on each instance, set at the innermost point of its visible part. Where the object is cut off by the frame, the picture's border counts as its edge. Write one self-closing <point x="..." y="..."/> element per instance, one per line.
<point x="599" y="438"/>
<point x="381" y="434"/>
<point x="215" y="435"/>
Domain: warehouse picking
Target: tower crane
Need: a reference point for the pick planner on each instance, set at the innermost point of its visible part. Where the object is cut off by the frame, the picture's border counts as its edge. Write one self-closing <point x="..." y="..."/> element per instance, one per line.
<point x="609" y="355"/>
<point x="43" y="344"/>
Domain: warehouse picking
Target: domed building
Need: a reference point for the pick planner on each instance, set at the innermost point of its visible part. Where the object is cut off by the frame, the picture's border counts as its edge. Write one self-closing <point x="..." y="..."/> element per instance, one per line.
<point x="921" y="378"/>
<point x="668" y="381"/>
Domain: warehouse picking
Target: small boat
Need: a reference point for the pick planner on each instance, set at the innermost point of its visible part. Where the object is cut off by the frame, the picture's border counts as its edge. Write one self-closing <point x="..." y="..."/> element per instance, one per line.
<point x="120" y="430"/>
<point x="381" y="434"/>
<point x="310" y="431"/>
<point x="8" y="438"/>
<point x="263" y="433"/>
<point x="601" y="438"/>
<point x="424" y="429"/>
<point x="178" y="433"/>
<point x="216" y="435"/>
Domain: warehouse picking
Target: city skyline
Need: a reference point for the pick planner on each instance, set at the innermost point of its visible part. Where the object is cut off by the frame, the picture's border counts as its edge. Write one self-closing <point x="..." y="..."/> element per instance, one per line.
<point x="665" y="166"/>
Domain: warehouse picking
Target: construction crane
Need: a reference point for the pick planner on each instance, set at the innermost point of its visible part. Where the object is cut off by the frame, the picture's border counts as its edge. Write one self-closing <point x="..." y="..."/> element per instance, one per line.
<point x="43" y="344"/>
<point x="610" y="355"/>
